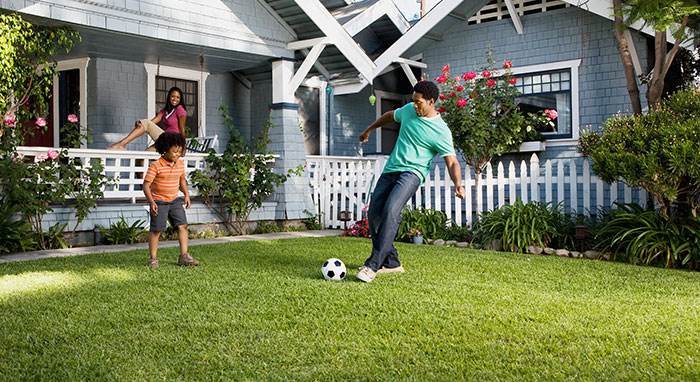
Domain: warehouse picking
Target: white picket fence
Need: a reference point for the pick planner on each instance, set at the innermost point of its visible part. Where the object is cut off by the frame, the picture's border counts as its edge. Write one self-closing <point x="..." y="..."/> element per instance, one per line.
<point x="345" y="184"/>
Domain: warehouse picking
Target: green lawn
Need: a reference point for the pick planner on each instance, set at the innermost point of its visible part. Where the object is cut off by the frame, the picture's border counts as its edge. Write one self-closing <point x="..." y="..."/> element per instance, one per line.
<point x="261" y="311"/>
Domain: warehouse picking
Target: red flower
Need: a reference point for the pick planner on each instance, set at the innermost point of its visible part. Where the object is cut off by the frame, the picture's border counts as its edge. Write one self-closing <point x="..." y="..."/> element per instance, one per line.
<point x="442" y="96"/>
<point x="490" y="82"/>
<point x="507" y="65"/>
<point x="486" y="73"/>
<point x="513" y="80"/>
<point x="460" y="88"/>
<point x="469" y="76"/>
<point x="452" y="94"/>
<point x="441" y="110"/>
<point x="474" y="95"/>
<point x="552" y="114"/>
<point x="441" y="79"/>
<point x="446" y="68"/>
<point x="461" y="102"/>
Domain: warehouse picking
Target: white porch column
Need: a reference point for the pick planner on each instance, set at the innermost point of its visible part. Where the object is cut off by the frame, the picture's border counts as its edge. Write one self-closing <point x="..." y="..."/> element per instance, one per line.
<point x="286" y="140"/>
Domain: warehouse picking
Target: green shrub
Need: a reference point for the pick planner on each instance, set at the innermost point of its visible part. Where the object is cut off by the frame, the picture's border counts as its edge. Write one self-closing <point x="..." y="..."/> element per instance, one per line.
<point x="651" y="238"/>
<point x="15" y="235"/>
<point x="430" y="222"/>
<point x="267" y="227"/>
<point x="520" y="225"/>
<point x="312" y="222"/>
<point x="455" y="232"/>
<point x="123" y="233"/>
<point x="54" y="237"/>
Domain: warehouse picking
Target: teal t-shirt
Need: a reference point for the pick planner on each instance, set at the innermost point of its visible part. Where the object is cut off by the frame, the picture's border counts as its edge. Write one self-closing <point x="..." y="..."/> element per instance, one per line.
<point x="420" y="139"/>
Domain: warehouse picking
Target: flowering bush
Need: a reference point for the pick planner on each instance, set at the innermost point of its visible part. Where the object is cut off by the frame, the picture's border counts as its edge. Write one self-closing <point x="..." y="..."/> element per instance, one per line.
<point x="359" y="229"/>
<point x="481" y="111"/>
<point x="415" y="232"/>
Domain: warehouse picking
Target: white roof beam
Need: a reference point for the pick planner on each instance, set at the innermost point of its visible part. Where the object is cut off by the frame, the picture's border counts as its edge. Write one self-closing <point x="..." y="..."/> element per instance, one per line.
<point x="633" y="52"/>
<point x="514" y="16"/>
<point x="306" y="66"/>
<point x="321" y="69"/>
<point x="420" y="29"/>
<point x="406" y="61"/>
<point x="277" y="17"/>
<point x="304" y="44"/>
<point x="338" y="36"/>
<point x="409" y="73"/>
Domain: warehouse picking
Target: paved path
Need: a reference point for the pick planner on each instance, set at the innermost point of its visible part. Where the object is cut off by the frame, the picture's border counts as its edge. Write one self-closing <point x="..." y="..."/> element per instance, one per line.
<point x="36" y="255"/>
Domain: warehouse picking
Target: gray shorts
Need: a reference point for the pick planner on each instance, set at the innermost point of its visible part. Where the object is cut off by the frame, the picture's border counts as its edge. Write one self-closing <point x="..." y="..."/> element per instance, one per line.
<point x="173" y="211"/>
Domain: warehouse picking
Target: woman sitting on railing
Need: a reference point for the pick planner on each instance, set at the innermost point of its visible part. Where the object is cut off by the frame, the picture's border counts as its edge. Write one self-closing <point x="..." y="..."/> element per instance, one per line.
<point x="173" y="116"/>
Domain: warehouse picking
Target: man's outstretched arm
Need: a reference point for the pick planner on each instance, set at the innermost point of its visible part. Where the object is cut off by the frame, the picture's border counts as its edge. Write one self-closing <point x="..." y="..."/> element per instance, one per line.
<point x="455" y="171"/>
<point x="385" y="119"/>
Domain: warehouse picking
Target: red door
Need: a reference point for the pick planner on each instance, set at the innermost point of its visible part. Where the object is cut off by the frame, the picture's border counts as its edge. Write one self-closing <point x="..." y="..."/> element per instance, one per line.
<point x="42" y="136"/>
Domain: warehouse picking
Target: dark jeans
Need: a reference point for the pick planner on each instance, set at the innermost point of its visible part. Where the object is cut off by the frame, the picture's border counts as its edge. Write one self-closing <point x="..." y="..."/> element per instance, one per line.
<point x="390" y="195"/>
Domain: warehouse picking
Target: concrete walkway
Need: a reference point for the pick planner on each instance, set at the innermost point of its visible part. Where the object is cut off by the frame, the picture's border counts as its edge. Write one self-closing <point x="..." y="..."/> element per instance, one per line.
<point x="36" y="255"/>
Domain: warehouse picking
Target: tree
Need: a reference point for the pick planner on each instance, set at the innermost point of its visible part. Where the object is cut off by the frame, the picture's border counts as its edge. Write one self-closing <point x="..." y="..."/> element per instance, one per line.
<point x="482" y="113"/>
<point x="27" y="65"/>
<point x="663" y="16"/>
<point x="237" y="182"/>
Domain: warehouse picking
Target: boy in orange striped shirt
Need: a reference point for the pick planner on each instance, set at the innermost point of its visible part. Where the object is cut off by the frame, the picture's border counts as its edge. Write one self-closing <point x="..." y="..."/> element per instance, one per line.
<point x="165" y="176"/>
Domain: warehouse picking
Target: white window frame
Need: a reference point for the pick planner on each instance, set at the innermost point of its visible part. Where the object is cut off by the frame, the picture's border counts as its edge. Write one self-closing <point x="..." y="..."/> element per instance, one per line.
<point x="153" y="70"/>
<point x="380" y="94"/>
<point x="573" y="66"/>
<point x="81" y="64"/>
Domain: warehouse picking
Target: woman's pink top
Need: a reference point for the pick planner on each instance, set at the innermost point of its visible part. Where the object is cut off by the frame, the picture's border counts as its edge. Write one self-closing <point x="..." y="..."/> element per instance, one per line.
<point x="171" y="122"/>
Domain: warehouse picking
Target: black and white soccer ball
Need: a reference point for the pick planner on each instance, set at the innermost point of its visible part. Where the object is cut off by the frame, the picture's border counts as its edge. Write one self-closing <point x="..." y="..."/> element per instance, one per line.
<point x="333" y="269"/>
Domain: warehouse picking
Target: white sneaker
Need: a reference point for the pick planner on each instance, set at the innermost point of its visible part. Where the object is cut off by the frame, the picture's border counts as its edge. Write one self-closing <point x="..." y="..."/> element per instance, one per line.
<point x="366" y="274"/>
<point x="398" y="269"/>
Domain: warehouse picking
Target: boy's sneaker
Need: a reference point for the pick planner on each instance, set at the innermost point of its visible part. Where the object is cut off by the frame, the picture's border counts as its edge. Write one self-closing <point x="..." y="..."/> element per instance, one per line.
<point x="366" y="274"/>
<point x="398" y="269"/>
<point x="186" y="259"/>
<point x="152" y="263"/>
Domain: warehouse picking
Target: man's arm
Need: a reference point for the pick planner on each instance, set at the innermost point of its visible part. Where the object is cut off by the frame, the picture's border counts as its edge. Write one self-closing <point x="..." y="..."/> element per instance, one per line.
<point x="385" y="119"/>
<point x="455" y="171"/>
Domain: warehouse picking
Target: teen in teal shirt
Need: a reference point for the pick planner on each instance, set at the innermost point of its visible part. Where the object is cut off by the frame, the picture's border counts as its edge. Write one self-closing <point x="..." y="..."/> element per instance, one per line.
<point x="422" y="135"/>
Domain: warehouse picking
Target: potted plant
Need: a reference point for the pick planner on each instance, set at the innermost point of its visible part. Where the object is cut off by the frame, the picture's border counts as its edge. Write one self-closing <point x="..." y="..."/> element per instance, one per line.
<point x="417" y="236"/>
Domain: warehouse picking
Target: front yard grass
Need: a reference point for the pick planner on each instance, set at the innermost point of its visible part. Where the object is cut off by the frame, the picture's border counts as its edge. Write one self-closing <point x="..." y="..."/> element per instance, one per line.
<point x="260" y="310"/>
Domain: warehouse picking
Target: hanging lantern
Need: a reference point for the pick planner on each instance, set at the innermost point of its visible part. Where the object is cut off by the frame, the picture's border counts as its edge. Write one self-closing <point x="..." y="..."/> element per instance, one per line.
<point x="329" y="90"/>
<point x="372" y="99"/>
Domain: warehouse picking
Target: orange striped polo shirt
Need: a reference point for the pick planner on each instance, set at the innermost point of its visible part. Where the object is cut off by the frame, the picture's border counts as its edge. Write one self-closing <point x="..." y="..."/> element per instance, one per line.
<point x="165" y="179"/>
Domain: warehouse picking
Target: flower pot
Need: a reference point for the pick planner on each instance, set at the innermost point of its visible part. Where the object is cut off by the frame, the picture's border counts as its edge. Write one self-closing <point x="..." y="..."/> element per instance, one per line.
<point x="418" y="239"/>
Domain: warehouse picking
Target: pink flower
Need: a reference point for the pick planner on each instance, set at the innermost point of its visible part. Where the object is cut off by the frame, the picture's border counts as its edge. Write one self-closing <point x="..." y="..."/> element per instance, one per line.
<point x="41" y="122"/>
<point x="552" y="114"/>
<point x="442" y="96"/>
<point x="53" y="154"/>
<point x="72" y="118"/>
<point x="441" y="110"/>
<point x="365" y="208"/>
<point x="490" y="82"/>
<point x="486" y="73"/>
<point x="452" y="94"/>
<point x="513" y="80"/>
<point x="441" y="79"/>
<point x="9" y="119"/>
<point x="507" y="65"/>
<point x="461" y="102"/>
<point x="474" y="95"/>
<point x="460" y="88"/>
<point x="469" y="76"/>
<point x="446" y="68"/>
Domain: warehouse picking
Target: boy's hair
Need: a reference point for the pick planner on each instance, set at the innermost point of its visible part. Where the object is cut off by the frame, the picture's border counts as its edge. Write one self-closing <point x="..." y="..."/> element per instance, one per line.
<point x="169" y="139"/>
<point x="428" y="89"/>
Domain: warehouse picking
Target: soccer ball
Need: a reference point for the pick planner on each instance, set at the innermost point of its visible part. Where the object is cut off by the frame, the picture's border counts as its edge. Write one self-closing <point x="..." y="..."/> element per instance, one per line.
<point x="333" y="269"/>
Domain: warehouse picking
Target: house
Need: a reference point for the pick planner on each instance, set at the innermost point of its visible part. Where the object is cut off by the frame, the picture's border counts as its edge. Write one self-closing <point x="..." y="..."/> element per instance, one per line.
<point x="315" y="63"/>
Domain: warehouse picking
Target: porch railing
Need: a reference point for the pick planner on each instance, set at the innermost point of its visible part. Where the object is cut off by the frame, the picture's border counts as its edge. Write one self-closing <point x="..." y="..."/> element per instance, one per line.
<point x="129" y="167"/>
<point x="345" y="184"/>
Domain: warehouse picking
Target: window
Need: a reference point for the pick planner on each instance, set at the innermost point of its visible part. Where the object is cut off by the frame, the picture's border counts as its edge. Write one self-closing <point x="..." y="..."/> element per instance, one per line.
<point x="552" y="86"/>
<point x="190" y="95"/>
<point x="68" y="100"/>
<point x="548" y="90"/>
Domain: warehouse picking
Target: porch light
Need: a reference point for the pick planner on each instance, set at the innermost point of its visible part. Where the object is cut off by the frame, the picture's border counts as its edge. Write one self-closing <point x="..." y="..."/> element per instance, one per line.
<point x="372" y="99"/>
<point x="329" y="90"/>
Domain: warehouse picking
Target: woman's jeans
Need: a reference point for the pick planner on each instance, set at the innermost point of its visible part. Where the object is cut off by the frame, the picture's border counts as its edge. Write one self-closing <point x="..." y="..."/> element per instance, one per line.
<point x="390" y="196"/>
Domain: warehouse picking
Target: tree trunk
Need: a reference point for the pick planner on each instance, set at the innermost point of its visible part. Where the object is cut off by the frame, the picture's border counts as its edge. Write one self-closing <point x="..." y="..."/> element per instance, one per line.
<point x="626" y="57"/>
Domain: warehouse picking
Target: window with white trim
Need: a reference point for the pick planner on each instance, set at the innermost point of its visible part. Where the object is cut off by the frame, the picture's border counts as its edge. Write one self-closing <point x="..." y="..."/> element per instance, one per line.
<point x="190" y="98"/>
<point x="548" y="90"/>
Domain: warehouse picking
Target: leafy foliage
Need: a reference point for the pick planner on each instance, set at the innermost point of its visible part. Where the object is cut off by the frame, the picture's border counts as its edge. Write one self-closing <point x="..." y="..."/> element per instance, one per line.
<point x="15" y="235"/>
<point x="659" y="151"/>
<point x="238" y="181"/>
<point x="520" y="225"/>
<point x="123" y="233"/>
<point x="430" y="222"/>
<point x="312" y="222"/>
<point x="54" y="237"/>
<point x="651" y="238"/>
<point x="27" y="66"/>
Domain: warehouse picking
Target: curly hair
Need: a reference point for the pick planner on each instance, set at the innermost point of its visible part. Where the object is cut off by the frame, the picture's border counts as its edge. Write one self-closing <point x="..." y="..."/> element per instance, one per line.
<point x="428" y="89"/>
<point x="169" y="139"/>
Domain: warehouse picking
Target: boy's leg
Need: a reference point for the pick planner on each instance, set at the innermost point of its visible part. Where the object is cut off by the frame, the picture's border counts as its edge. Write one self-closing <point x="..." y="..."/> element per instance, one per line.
<point x="153" y="238"/>
<point x="178" y="219"/>
<point x="158" y="225"/>
<point x="182" y="237"/>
